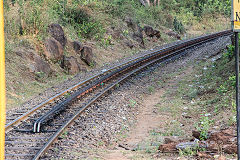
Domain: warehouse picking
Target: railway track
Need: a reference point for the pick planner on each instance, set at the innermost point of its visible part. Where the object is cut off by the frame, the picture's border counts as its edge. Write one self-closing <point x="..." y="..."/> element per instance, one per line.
<point x="30" y="134"/>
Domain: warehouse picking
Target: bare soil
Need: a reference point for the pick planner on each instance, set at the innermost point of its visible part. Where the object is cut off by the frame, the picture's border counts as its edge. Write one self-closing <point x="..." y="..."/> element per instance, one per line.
<point x="139" y="114"/>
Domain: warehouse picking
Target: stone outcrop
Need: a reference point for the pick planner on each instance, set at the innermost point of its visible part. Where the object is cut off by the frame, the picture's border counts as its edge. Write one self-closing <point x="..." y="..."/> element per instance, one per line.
<point x="56" y="31"/>
<point x="174" y="35"/>
<point x="150" y="32"/>
<point x="71" y="65"/>
<point x="77" y="46"/>
<point x="35" y="63"/>
<point x="226" y="138"/>
<point x="137" y="34"/>
<point x="87" y="55"/>
<point x="157" y="33"/>
<point x="53" y="50"/>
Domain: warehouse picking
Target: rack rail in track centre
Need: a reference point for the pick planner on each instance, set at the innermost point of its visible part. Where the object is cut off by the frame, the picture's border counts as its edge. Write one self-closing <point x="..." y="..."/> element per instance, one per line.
<point x="126" y="70"/>
<point x="24" y="116"/>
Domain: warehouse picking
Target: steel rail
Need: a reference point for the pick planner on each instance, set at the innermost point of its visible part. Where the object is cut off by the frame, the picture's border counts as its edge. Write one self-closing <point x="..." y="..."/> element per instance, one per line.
<point x="41" y="105"/>
<point x="58" y="108"/>
<point x="174" y="50"/>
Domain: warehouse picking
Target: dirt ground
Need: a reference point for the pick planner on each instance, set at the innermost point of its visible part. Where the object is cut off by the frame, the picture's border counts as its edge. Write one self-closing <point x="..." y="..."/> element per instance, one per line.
<point x="148" y="120"/>
<point x="155" y="119"/>
<point x="142" y="112"/>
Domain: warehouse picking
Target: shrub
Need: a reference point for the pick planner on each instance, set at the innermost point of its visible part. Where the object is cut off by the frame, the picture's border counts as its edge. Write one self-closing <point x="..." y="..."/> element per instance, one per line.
<point x="178" y="26"/>
<point x="203" y="126"/>
<point x="85" y="25"/>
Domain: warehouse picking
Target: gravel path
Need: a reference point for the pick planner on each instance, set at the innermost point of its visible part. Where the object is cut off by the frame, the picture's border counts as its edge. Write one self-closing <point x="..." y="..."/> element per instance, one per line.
<point x="106" y="122"/>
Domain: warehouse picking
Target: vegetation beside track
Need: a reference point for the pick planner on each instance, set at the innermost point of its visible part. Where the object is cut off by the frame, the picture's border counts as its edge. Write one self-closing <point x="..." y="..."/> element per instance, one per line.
<point x="90" y="23"/>
<point x="205" y="95"/>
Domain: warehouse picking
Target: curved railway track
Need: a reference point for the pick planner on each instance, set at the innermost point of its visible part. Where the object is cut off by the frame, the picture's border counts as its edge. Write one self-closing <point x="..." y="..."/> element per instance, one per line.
<point x="30" y="134"/>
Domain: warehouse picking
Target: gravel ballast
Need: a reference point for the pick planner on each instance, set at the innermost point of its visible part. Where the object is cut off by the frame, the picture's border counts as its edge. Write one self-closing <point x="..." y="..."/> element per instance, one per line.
<point x="109" y="119"/>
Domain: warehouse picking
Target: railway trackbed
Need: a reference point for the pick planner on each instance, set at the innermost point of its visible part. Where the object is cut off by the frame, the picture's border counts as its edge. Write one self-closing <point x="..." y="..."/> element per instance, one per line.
<point x="30" y="134"/>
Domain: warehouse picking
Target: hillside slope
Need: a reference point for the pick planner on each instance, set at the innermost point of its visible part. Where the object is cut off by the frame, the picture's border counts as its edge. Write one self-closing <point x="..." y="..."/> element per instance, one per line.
<point x="49" y="41"/>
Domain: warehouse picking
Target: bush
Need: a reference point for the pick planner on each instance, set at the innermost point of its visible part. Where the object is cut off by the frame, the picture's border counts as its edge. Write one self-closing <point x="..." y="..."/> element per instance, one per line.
<point x="203" y="127"/>
<point x="178" y="26"/>
<point x="73" y="14"/>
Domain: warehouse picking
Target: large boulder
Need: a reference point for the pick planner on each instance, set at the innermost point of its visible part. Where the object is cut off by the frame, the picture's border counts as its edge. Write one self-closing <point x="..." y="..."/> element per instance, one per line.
<point x="87" y="55"/>
<point x="77" y="46"/>
<point x="71" y="65"/>
<point x="129" y="44"/>
<point x="56" y="31"/>
<point x="136" y="30"/>
<point x="130" y="22"/>
<point x="138" y="36"/>
<point x="149" y="31"/>
<point x="35" y="63"/>
<point x="53" y="50"/>
<point x="174" y="35"/>
<point x="157" y="33"/>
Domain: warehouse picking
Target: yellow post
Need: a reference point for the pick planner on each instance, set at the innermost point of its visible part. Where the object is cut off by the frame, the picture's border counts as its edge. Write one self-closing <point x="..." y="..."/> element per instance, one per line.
<point x="2" y="84"/>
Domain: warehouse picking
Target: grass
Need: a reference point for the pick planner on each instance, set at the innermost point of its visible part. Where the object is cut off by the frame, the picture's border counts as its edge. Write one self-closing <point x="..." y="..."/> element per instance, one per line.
<point x="204" y="95"/>
<point x="86" y="21"/>
<point x="132" y="103"/>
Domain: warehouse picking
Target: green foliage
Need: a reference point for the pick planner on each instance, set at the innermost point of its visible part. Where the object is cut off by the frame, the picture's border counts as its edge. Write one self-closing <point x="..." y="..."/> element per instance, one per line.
<point x="75" y="15"/>
<point x="222" y="89"/>
<point x="227" y="85"/>
<point x="192" y="93"/>
<point x="106" y="41"/>
<point x="178" y="26"/>
<point x="125" y="32"/>
<point x="230" y="53"/>
<point x="151" y="89"/>
<point x="132" y="103"/>
<point x="40" y="75"/>
<point x="200" y="7"/>
<point x="67" y="95"/>
<point x="187" y="152"/>
<point x="33" y="18"/>
<point x="141" y="14"/>
<point x="203" y="127"/>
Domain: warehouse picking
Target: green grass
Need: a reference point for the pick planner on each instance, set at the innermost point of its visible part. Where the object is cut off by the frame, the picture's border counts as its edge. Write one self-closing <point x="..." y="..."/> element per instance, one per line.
<point x="26" y="26"/>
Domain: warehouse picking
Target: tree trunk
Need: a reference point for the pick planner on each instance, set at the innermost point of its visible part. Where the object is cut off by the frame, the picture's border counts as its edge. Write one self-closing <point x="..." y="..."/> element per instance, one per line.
<point x="148" y="2"/>
<point x="145" y="2"/>
<point x="142" y="2"/>
<point x="154" y="3"/>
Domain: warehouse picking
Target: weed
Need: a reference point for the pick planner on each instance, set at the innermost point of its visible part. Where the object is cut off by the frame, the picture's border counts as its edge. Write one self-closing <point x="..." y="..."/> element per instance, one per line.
<point x="67" y="95"/>
<point x="132" y="103"/>
<point x="64" y="134"/>
<point x="151" y="89"/>
<point x="187" y="152"/>
<point x="203" y="126"/>
<point x="222" y="89"/>
<point x="106" y="41"/>
<point x="192" y="93"/>
<point x="39" y="75"/>
<point x="92" y="64"/>
<point x="117" y="85"/>
<point x="125" y="32"/>
<point x="178" y="26"/>
<point x="230" y="53"/>
<point x="100" y="143"/>
<point x="232" y="120"/>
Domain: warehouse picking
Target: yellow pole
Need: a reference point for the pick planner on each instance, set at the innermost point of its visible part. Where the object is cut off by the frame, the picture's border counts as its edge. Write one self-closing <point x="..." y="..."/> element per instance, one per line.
<point x="2" y="84"/>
